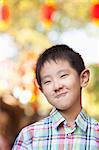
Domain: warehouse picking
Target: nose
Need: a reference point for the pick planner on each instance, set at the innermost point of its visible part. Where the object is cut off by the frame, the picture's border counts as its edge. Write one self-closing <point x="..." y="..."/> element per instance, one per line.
<point x="57" y="85"/>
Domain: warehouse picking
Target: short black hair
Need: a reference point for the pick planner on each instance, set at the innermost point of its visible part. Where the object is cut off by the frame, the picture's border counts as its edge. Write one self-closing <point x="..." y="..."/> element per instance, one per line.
<point x="59" y="52"/>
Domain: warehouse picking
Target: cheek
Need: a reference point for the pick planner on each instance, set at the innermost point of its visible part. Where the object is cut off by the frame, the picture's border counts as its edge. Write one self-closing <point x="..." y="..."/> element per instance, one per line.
<point x="46" y="90"/>
<point x="73" y="84"/>
<point x="70" y="82"/>
<point x="76" y="87"/>
<point x="47" y="95"/>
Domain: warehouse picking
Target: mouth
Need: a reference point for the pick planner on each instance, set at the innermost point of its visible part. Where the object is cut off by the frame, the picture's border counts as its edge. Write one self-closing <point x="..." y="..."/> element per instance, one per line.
<point x="61" y="95"/>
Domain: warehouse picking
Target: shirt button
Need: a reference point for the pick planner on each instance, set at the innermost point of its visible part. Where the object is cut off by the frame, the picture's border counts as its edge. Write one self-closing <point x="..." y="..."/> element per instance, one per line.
<point x="69" y="135"/>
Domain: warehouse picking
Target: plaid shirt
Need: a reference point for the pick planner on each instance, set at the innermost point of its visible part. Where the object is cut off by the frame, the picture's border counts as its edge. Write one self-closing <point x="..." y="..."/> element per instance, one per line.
<point x="52" y="133"/>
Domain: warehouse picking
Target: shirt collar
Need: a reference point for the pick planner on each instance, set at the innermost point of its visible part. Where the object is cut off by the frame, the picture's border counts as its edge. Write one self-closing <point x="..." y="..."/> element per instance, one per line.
<point x="81" y="119"/>
<point x="57" y="118"/>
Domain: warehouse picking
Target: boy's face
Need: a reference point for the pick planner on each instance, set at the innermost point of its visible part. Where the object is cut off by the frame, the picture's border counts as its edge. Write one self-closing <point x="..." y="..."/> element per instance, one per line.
<point x="61" y="84"/>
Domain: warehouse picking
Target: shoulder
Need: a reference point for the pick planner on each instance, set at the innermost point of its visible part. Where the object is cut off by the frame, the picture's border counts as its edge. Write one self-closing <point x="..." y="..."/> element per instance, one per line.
<point x="32" y="133"/>
<point x="38" y="125"/>
<point x="35" y="129"/>
<point x="94" y="125"/>
<point x="93" y="122"/>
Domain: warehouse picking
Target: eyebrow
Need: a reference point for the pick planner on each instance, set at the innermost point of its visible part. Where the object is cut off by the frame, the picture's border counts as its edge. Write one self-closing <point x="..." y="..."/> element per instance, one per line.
<point x="61" y="71"/>
<point x="48" y="76"/>
<point x="44" y="77"/>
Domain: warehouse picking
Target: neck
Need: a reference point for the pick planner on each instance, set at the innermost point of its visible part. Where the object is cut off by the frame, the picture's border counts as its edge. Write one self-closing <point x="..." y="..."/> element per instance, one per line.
<point x="71" y="114"/>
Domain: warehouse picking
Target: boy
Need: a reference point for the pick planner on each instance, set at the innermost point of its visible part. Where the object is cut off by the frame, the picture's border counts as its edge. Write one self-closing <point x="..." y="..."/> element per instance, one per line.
<point x="61" y="75"/>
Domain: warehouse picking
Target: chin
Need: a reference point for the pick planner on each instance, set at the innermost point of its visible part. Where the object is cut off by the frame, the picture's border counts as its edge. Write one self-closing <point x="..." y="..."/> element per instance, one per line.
<point x="62" y="108"/>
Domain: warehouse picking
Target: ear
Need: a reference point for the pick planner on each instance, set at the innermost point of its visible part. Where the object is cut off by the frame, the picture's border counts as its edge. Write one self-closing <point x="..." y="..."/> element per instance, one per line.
<point x="36" y="84"/>
<point x="84" y="77"/>
<point x="40" y="88"/>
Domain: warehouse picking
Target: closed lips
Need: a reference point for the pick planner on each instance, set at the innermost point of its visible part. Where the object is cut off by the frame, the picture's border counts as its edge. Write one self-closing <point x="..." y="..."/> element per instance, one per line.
<point x="61" y="94"/>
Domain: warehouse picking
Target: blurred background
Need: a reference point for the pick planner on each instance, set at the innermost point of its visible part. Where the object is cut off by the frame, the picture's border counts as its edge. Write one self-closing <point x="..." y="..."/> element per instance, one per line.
<point x="27" y="27"/>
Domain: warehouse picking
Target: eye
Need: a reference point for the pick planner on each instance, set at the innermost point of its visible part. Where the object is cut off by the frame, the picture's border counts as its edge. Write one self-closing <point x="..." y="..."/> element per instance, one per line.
<point x="64" y="75"/>
<point x="47" y="82"/>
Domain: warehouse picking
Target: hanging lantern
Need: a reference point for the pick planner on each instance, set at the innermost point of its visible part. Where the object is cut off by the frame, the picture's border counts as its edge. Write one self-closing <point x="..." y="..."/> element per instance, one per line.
<point x="95" y="12"/>
<point x="47" y="13"/>
<point x="4" y="15"/>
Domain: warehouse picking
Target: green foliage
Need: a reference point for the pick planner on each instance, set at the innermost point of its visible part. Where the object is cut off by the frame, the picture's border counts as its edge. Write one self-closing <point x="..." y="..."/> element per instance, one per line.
<point x="93" y="86"/>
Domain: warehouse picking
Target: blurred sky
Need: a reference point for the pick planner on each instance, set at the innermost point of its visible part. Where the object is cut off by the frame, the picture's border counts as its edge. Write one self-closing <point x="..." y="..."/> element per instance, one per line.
<point x="86" y="44"/>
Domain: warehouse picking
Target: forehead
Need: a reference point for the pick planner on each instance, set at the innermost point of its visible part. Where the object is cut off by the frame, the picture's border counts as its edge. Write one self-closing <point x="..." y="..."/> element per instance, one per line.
<point x="56" y="61"/>
<point x="55" y="66"/>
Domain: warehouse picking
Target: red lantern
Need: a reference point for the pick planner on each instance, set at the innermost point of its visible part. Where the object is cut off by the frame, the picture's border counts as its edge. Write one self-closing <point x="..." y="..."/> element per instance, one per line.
<point x="95" y="11"/>
<point x="47" y="12"/>
<point x="5" y="13"/>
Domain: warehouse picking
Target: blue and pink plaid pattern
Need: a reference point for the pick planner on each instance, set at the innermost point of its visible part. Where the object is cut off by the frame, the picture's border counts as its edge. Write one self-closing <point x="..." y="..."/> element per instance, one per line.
<point x="52" y="133"/>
